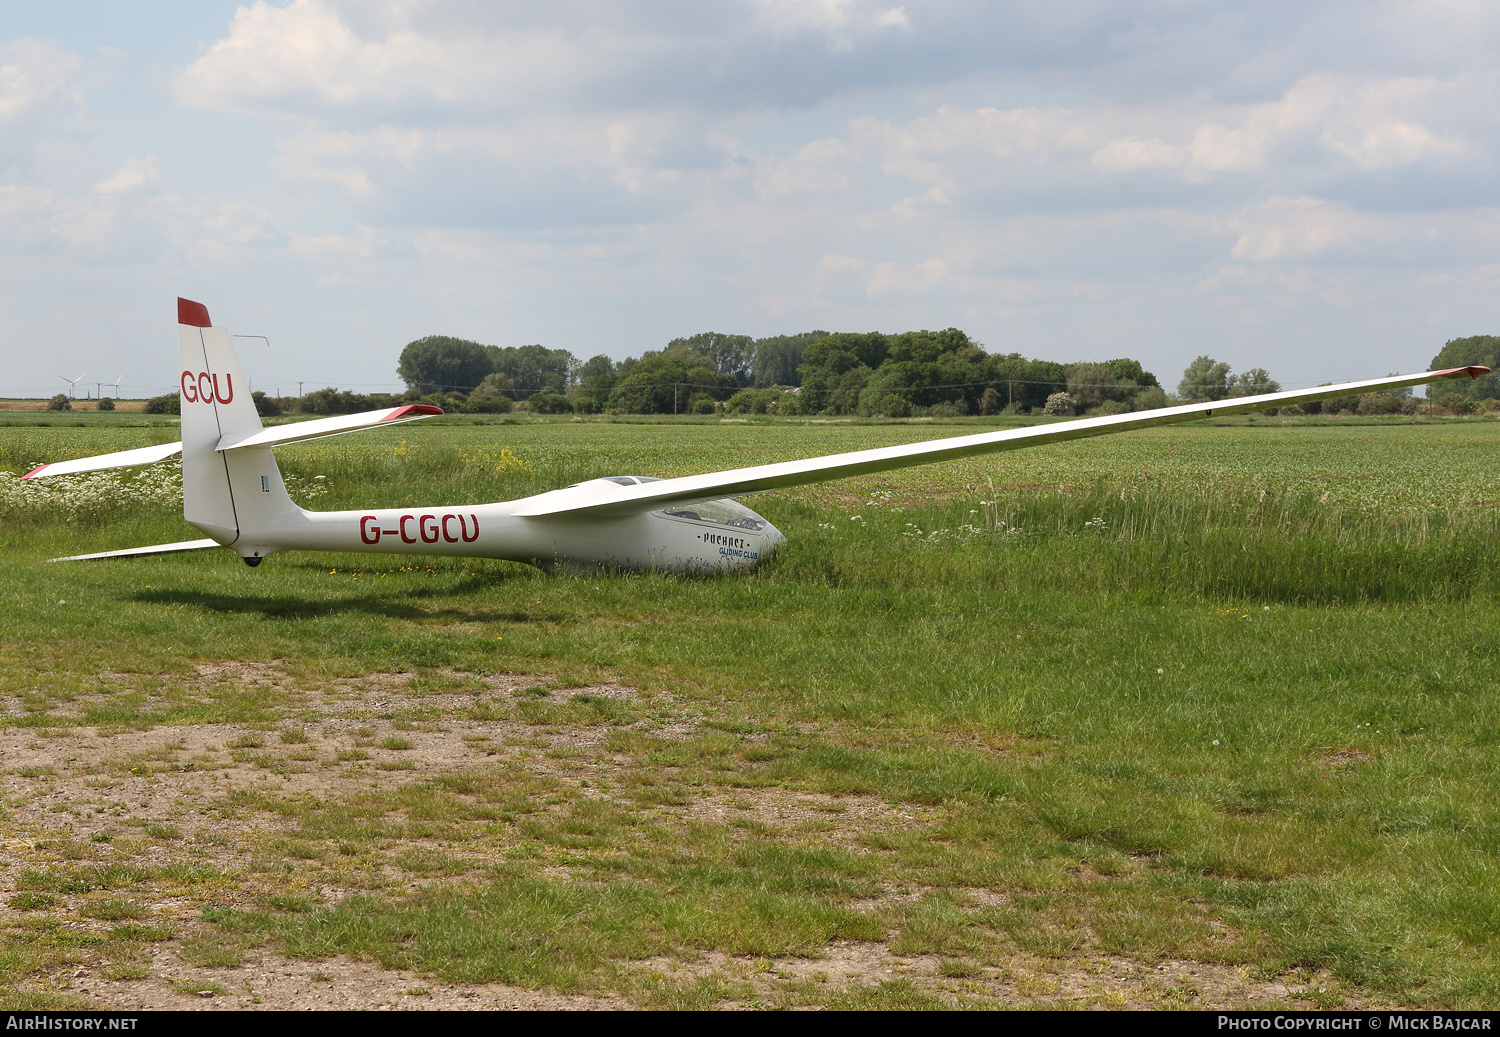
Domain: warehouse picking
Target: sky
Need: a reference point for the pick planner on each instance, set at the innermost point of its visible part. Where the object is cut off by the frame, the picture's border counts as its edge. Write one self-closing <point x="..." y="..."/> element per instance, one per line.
<point x="1309" y="187"/>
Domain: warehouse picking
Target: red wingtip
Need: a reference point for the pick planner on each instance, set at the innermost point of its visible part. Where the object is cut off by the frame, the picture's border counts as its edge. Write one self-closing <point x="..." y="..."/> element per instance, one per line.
<point x="412" y="410"/>
<point x="36" y="471"/>
<point x="193" y="314"/>
<point x="1463" y="372"/>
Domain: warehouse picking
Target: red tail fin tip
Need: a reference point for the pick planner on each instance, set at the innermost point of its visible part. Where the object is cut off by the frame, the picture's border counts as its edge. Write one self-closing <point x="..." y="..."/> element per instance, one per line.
<point x="194" y="314"/>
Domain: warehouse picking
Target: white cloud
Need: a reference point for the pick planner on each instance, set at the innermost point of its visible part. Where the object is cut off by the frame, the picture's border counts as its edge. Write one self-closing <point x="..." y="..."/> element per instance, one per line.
<point x="1322" y="123"/>
<point x="1296" y="228"/>
<point x="621" y="147"/>
<point x="1137" y="154"/>
<point x="34" y="73"/>
<point x="842" y="21"/>
<point x="135" y="175"/>
<point x="316" y="58"/>
<point x="308" y="51"/>
<point x="818" y="167"/>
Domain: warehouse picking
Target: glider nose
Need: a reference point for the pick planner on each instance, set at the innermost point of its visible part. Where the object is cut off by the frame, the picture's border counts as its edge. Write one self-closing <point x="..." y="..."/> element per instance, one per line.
<point x="772" y="540"/>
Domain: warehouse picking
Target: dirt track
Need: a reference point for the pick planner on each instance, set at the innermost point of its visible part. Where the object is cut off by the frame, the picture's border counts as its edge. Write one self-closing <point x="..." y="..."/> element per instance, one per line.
<point x="90" y="797"/>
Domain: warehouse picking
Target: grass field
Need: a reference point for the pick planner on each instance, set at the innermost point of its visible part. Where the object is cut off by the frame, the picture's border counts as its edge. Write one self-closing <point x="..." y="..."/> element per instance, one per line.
<point x="1190" y="717"/>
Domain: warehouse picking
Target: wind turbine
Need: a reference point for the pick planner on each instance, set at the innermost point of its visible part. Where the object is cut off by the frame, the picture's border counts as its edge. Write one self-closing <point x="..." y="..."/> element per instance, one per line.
<point x="116" y="384"/>
<point x="72" y="382"/>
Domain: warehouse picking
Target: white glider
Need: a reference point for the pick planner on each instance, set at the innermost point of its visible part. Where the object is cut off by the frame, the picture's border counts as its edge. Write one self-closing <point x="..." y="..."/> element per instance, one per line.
<point x="233" y="492"/>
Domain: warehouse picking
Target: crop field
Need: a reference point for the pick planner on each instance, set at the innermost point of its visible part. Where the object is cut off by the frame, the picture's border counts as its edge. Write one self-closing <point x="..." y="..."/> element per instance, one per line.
<point x="1194" y="717"/>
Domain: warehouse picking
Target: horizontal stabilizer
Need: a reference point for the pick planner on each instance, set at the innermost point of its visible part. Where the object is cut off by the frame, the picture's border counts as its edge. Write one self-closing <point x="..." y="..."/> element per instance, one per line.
<point x="98" y="463"/>
<point x="154" y="549"/>
<point x="280" y="435"/>
<point x="301" y="431"/>
<point x="591" y="499"/>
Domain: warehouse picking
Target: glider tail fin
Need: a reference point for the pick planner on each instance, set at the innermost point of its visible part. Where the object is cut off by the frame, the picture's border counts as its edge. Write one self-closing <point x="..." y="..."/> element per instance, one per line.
<point x="236" y="497"/>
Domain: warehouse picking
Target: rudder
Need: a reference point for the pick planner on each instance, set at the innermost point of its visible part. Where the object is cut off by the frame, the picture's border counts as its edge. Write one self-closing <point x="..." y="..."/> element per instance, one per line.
<point x="236" y="496"/>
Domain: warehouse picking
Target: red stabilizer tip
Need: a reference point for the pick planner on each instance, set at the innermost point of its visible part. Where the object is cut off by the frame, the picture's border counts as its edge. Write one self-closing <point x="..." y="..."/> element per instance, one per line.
<point x="193" y="314"/>
<point x="36" y="471"/>
<point x="1463" y="372"/>
<point x="412" y="410"/>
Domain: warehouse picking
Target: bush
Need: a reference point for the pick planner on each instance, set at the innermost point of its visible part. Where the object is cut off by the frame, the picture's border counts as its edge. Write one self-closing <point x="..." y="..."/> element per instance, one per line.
<point x="1449" y="403"/>
<point x="775" y="399"/>
<point x="1311" y="407"/>
<point x="59" y="402"/>
<point x="495" y="383"/>
<point x="1153" y="397"/>
<point x="106" y="403"/>
<point x="701" y="403"/>
<point x="877" y="403"/>
<point x="331" y="401"/>
<point x="452" y="402"/>
<point x="548" y="402"/>
<point x="941" y="410"/>
<point x="752" y="401"/>
<point x="990" y="403"/>
<point x="1457" y="405"/>
<point x="488" y="404"/>
<point x="1378" y="403"/>
<point x="169" y="404"/>
<point x="1060" y="404"/>
<point x="266" y="406"/>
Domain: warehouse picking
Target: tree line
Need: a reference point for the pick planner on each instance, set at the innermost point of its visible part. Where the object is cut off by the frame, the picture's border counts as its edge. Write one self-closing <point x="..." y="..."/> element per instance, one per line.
<point x="938" y="373"/>
<point x="910" y="374"/>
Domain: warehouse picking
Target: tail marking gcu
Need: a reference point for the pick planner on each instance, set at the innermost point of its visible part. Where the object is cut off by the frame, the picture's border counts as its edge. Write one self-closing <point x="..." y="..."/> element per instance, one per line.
<point x="203" y="387"/>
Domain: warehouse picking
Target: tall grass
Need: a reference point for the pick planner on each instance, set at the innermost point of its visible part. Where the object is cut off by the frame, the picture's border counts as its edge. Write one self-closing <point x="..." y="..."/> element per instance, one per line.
<point x="1225" y="694"/>
<point x="1258" y="532"/>
<point x="1284" y="544"/>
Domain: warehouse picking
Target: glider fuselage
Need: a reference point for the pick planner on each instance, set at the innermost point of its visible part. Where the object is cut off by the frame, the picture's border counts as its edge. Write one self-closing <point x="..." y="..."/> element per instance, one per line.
<point x="714" y="535"/>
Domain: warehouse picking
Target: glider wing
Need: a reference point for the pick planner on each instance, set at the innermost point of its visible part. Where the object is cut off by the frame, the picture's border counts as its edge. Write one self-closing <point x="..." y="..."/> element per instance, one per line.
<point x="154" y="549"/>
<point x="119" y="459"/>
<point x="589" y="501"/>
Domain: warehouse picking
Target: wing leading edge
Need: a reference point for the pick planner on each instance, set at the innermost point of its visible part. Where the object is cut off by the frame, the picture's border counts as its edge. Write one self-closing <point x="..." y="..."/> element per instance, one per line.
<point x="588" y="501"/>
